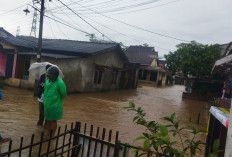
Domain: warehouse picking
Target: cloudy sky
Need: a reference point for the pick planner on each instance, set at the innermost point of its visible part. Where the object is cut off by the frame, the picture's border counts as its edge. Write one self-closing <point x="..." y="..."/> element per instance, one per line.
<point x="159" y="23"/>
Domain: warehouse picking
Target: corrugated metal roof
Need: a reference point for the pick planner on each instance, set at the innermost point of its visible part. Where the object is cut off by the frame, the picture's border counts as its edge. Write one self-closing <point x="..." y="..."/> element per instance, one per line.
<point x="60" y="44"/>
<point x="69" y="45"/>
<point x="140" y="54"/>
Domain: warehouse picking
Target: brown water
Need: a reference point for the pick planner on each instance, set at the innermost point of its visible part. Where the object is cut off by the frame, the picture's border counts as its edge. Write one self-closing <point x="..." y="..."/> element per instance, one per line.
<point x="19" y="110"/>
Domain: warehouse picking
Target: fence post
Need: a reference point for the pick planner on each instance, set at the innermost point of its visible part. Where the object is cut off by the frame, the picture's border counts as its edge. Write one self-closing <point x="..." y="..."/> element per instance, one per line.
<point x="75" y="139"/>
<point x="116" y="149"/>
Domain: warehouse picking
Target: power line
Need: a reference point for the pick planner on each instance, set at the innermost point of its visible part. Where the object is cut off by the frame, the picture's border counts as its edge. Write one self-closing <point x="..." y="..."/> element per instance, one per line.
<point x="58" y="25"/>
<point x="67" y="16"/>
<point x="68" y="25"/>
<point x="85" y="20"/>
<point x="63" y="22"/>
<point x="134" y="26"/>
<point x="14" y="9"/>
<point x="147" y="8"/>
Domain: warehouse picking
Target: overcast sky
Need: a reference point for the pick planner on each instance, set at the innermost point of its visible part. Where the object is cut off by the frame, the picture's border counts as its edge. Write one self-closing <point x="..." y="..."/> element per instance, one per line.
<point x="206" y="21"/>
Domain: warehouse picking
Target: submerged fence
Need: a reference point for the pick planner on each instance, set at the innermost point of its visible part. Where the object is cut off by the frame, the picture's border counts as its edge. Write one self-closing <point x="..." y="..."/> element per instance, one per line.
<point x="77" y="141"/>
<point x="73" y="142"/>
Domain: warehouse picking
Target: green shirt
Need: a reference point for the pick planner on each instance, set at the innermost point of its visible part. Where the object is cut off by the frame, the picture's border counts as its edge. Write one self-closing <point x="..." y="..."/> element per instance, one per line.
<point x="54" y="92"/>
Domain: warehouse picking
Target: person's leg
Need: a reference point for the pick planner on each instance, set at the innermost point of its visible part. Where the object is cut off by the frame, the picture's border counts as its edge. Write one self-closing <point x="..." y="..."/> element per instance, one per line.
<point x="3" y="140"/>
<point x="52" y="126"/>
<point x="41" y="114"/>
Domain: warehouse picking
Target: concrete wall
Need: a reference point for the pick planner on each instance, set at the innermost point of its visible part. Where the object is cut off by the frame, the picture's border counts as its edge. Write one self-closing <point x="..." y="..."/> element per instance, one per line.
<point x="79" y="73"/>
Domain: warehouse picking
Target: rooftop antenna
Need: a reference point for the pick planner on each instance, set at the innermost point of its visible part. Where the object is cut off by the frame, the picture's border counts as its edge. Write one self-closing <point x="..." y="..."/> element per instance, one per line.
<point x="18" y="31"/>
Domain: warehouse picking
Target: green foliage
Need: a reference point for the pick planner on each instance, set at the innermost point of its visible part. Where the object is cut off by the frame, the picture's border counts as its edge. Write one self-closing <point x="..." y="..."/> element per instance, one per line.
<point x="158" y="138"/>
<point x="193" y="58"/>
<point x="216" y="150"/>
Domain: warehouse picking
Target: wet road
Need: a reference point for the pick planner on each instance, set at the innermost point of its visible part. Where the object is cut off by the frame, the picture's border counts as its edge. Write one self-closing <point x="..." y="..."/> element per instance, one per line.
<point x="19" y="110"/>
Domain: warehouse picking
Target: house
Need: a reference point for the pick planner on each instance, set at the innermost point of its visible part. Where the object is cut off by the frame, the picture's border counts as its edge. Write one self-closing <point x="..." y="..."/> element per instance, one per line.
<point x="87" y="66"/>
<point x="151" y="69"/>
<point x="222" y="70"/>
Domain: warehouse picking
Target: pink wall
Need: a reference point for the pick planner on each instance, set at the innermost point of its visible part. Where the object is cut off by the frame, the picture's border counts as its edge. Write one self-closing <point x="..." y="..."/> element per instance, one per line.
<point x="3" y="59"/>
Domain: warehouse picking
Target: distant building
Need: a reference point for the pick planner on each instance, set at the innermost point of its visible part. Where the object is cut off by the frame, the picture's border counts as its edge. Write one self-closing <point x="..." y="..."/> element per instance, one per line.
<point x="87" y="66"/>
<point x="151" y="69"/>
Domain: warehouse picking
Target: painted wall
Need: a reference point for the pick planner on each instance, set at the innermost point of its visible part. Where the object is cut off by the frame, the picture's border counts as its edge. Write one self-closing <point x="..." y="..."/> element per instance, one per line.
<point x="154" y="63"/>
<point x="3" y="59"/>
<point x="79" y="73"/>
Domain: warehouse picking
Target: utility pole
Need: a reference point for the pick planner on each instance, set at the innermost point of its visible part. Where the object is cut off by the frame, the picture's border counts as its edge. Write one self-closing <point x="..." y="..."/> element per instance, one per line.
<point x="39" y="47"/>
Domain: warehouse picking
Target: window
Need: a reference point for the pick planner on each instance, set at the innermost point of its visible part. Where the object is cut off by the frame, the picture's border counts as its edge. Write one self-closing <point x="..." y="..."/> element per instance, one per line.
<point x="144" y="76"/>
<point x="114" y="77"/>
<point x="98" y="76"/>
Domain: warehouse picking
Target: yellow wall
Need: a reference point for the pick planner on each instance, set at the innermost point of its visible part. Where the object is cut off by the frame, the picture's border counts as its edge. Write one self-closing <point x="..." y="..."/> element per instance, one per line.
<point x="154" y="63"/>
<point x="6" y="46"/>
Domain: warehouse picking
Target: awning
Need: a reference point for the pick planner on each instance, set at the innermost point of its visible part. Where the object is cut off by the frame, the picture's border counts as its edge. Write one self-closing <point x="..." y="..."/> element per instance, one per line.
<point x="220" y="114"/>
<point x="222" y="65"/>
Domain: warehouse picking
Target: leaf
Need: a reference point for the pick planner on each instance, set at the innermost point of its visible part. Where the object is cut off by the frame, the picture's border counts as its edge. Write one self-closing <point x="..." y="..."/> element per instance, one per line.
<point x="146" y="135"/>
<point x="173" y="116"/>
<point x="131" y="104"/>
<point x="166" y="138"/>
<point x="158" y="143"/>
<point x="193" y="129"/>
<point x="216" y="145"/>
<point x="135" y="118"/>
<point x="213" y="155"/>
<point x="139" y="138"/>
<point x="146" y="145"/>
<point x="124" y="108"/>
<point x="163" y="130"/>
<point x="167" y="119"/>
<point x="177" y="124"/>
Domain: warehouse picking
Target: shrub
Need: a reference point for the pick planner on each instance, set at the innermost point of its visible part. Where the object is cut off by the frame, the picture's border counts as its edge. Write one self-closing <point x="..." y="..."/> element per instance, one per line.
<point x="158" y="138"/>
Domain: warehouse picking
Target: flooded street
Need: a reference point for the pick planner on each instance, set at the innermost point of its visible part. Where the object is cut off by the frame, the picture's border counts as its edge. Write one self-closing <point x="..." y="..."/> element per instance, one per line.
<point x="19" y="110"/>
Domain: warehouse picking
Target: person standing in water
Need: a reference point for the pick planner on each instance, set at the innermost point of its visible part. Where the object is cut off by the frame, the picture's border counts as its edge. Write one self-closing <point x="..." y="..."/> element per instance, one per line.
<point x="41" y="82"/>
<point x="54" y="93"/>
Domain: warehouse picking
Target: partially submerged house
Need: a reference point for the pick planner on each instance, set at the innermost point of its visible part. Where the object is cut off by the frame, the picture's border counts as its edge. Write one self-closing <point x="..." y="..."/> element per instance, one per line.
<point x="221" y="130"/>
<point x="87" y="66"/>
<point x="151" y="69"/>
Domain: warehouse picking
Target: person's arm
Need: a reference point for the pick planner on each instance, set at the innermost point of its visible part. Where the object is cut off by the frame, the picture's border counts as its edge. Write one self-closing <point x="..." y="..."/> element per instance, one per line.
<point x="63" y="92"/>
<point x="41" y="81"/>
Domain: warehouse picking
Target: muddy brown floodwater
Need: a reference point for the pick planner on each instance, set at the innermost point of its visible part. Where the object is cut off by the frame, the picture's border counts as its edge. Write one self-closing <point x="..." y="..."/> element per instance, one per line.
<point x="19" y="110"/>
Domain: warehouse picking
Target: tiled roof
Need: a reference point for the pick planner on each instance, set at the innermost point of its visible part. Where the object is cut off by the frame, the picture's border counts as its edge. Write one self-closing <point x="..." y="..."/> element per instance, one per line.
<point x="140" y="54"/>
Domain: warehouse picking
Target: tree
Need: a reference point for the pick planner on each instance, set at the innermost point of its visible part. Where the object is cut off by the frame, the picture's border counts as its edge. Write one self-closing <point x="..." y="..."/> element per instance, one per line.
<point x="193" y="58"/>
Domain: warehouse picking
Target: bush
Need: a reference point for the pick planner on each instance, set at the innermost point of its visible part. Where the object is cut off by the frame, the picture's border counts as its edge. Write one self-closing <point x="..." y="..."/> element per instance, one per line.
<point x="158" y="138"/>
